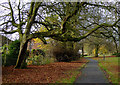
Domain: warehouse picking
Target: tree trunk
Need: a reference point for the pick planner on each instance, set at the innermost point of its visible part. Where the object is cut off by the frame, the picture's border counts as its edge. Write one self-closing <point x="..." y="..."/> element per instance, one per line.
<point x="116" y="46"/>
<point x="96" y="50"/>
<point x="82" y="50"/>
<point x="72" y="45"/>
<point x="22" y="55"/>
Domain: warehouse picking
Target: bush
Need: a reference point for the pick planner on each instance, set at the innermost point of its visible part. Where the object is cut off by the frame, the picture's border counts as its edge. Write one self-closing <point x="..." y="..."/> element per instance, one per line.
<point x="37" y="52"/>
<point x="37" y="57"/>
<point x="39" y="60"/>
<point x="65" y="55"/>
<point x="116" y="54"/>
<point x="12" y="56"/>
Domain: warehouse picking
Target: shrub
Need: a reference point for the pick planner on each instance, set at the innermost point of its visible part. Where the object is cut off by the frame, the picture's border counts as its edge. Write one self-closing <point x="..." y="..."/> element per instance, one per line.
<point x="37" y="52"/>
<point x="12" y="56"/>
<point x="65" y="55"/>
<point x="39" y="60"/>
<point x="116" y="54"/>
<point x="36" y="57"/>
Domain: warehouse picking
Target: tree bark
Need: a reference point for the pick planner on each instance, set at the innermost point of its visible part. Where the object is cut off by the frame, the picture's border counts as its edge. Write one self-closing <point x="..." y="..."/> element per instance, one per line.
<point x="116" y="46"/>
<point x="22" y="55"/>
<point x="96" y="50"/>
<point x="82" y="50"/>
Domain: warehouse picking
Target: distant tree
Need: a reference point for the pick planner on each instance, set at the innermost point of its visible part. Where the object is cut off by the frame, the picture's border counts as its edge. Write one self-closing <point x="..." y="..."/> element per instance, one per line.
<point x="98" y="44"/>
<point x="65" y="51"/>
<point x="4" y="51"/>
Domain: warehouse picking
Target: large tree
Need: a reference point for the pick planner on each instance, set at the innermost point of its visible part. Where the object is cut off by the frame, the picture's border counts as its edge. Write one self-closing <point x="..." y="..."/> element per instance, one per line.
<point x="58" y="18"/>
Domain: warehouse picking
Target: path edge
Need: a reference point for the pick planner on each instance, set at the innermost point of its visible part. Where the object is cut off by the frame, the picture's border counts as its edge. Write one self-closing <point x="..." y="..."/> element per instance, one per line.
<point x="83" y="66"/>
<point x="106" y="74"/>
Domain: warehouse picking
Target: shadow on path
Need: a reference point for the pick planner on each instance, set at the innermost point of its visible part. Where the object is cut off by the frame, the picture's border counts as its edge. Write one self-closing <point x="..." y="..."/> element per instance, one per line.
<point x="92" y="75"/>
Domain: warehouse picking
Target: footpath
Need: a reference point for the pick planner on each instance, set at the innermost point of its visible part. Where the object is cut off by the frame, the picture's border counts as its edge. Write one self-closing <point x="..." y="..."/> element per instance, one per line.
<point x="92" y="75"/>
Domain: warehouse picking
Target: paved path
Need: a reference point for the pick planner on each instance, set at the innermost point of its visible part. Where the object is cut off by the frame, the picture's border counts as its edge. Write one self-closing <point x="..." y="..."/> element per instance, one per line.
<point x="92" y="74"/>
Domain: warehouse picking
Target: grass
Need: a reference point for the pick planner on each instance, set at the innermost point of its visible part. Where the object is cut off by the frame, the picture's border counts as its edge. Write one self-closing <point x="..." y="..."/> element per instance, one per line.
<point x="110" y="66"/>
<point x="88" y="56"/>
<point x="72" y="78"/>
<point x="99" y="55"/>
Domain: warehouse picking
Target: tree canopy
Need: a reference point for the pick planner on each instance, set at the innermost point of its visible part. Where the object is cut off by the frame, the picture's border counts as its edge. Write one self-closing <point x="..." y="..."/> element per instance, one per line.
<point x="63" y="21"/>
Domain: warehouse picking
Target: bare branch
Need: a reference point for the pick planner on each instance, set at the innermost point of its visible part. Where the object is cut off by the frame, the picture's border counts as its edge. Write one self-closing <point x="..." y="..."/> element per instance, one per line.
<point x="12" y="15"/>
<point x="57" y="36"/>
<point x="31" y="18"/>
<point x="116" y="31"/>
<point x="10" y="32"/>
<point x="5" y="15"/>
<point x="78" y="5"/>
<point x="19" y="11"/>
<point x="31" y="8"/>
<point x="98" y="5"/>
<point x="69" y="38"/>
<point x="5" y="23"/>
<point x="46" y="25"/>
<point x="4" y="6"/>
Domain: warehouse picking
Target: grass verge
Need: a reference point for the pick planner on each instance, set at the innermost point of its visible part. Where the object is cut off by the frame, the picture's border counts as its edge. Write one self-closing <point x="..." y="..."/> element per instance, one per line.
<point x="72" y="75"/>
<point x="110" y="66"/>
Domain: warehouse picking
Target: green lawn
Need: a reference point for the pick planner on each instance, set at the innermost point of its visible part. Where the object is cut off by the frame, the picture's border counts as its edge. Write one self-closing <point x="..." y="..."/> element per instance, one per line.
<point x="88" y="56"/>
<point x="110" y="66"/>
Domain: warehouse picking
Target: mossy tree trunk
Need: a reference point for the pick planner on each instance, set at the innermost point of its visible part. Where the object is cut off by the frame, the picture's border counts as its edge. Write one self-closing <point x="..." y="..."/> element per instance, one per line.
<point x="96" y="50"/>
<point x="116" y="45"/>
<point x="22" y="54"/>
<point x="82" y="50"/>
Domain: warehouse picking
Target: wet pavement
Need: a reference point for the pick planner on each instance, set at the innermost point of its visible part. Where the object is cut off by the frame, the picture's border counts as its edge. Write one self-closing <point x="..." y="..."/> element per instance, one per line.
<point x="92" y="75"/>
